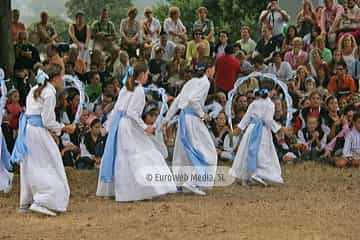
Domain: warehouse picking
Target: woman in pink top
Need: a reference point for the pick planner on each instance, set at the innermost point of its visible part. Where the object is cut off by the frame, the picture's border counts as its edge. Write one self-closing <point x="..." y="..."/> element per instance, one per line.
<point x="297" y="56"/>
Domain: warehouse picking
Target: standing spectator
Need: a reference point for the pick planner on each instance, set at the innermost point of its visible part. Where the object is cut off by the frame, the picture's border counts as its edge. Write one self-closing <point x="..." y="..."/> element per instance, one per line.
<point x="80" y="33"/>
<point x="306" y="19"/>
<point x="266" y="46"/>
<point x="174" y="27"/>
<point x="193" y="45"/>
<point x="281" y="69"/>
<point x="130" y="32"/>
<point x="46" y="32"/>
<point x="341" y="82"/>
<point x="246" y="43"/>
<point x="16" y="26"/>
<point x="150" y="28"/>
<point x="167" y="45"/>
<point x="297" y="56"/>
<point x="80" y="66"/>
<point x="227" y="70"/>
<point x="14" y="109"/>
<point x="103" y="32"/>
<point x="220" y="47"/>
<point x="329" y="16"/>
<point x="206" y="26"/>
<point x="276" y="17"/>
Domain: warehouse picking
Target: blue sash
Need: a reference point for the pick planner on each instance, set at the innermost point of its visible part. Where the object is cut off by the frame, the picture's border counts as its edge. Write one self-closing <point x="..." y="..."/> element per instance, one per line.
<point x="254" y="144"/>
<point x="108" y="159"/>
<point x="5" y="155"/>
<point x="20" y="149"/>
<point x="196" y="157"/>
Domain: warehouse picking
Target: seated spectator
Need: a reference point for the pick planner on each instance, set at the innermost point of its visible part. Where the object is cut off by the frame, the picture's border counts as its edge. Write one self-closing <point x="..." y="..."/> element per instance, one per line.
<point x="351" y="151"/>
<point x="322" y="76"/>
<point x="281" y="69"/>
<point x="16" y="26"/>
<point x="219" y="129"/>
<point x="348" y="47"/>
<point x="80" y="65"/>
<point x="325" y="52"/>
<point x="206" y="26"/>
<point x="349" y="21"/>
<point x="103" y="32"/>
<point x="26" y="55"/>
<point x="276" y="17"/>
<point x="227" y="70"/>
<point x="247" y="44"/>
<point x="167" y="45"/>
<point x="288" y="44"/>
<point x="193" y="45"/>
<point x="314" y="109"/>
<point x="266" y="46"/>
<point x="309" y="40"/>
<point x="341" y="82"/>
<point x="45" y="32"/>
<point x="216" y="106"/>
<point x="54" y="57"/>
<point x="223" y="43"/>
<point x="130" y="32"/>
<point x="174" y="27"/>
<point x="158" y="69"/>
<point x="150" y="29"/>
<point x="80" y="33"/>
<point x="312" y="138"/>
<point x="316" y="61"/>
<point x="118" y="64"/>
<point x="297" y="56"/>
<point x="93" y="89"/>
<point x="355" y="69"/>
<point x="338" y="57"/>
<point x="259" y="65"/>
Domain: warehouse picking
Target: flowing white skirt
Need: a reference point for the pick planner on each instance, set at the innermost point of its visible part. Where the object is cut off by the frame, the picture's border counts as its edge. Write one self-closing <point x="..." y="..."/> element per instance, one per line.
<point x="5" y="176"/>
<point x="42" y="174"/>
<point x="137" y="158"/>
<point x="201" y="140"/>
<point x="268" y="166"/>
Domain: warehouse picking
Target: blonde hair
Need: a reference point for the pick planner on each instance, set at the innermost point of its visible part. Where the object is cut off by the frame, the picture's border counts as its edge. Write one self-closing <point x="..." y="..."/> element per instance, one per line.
<point x="298" y="40"/>
<point x="202" y="9"/>
<point x="345" y="37"/>
<point x="174" y="10"/>
<point x="302" y="68"/>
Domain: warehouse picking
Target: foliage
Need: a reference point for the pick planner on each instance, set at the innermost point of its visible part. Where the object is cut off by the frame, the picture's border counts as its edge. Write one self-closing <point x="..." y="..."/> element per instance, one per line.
<point x="91" y="8"/>
<point x="227" y="15"/>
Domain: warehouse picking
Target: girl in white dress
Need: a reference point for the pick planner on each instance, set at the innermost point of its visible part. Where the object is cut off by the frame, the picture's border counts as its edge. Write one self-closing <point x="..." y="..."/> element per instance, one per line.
<point x="194" y="151"/>
<point x="131" y="161"/>
<point x="256" y="158"/>
<point x="43" y="183"/>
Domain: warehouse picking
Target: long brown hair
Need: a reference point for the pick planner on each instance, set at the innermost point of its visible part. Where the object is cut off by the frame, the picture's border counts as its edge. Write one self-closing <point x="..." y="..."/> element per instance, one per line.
<point x="52" y="70"/>
<point x="139" y="67"/>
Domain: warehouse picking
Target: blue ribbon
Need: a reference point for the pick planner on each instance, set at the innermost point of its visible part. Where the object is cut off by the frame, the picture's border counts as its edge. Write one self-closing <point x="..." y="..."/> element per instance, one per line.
<point x="129" y="73"/>
<point x="5" y="155"/>
<point x="20" y="149"/>
<point x="254" y="143"/>
<point x="109" y="157"/>
<point x="196" y="157"/>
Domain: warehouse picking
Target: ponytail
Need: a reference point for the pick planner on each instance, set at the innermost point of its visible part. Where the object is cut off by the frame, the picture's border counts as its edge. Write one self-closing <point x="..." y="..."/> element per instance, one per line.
<point x="203" y="65"/>
<point x="131" y="83"/>
<point x="51" y="70"/>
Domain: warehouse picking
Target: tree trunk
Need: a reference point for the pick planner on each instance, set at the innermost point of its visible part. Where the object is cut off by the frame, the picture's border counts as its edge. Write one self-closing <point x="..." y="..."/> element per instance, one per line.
<point x="7" y="57"/>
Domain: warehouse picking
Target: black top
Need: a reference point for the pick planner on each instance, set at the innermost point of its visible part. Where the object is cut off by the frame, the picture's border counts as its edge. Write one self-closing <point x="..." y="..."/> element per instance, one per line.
<point x="266" y="49"/>
<point x="80" y="34"/>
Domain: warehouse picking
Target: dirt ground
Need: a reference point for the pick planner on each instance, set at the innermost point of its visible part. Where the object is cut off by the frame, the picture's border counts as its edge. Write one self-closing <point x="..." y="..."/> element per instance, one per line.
<point x="316" y="202"/>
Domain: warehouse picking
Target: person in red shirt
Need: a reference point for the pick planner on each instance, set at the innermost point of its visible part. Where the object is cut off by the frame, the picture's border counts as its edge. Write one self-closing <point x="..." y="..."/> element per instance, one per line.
<point x="14" y="109"/>
<point x="227" y="69"/>
<point x="341" y="82"/>
<point x="16" y="26"/>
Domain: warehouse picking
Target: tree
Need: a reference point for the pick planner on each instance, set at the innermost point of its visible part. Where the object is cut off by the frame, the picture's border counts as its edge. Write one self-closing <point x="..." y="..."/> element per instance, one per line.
<point x="7" y="57"/>
<point x="91" y="8"/>
<point x="227" y="15"/>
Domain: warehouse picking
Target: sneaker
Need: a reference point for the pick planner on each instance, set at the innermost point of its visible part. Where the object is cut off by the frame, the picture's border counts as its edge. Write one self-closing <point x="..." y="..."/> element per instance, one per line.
<point x="193" y="189"/>
<point x="43" y="210"/>
<point x="258" y="180"/>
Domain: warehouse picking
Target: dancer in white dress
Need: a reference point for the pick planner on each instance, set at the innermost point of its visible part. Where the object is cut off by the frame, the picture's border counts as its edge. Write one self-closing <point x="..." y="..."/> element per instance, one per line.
<point x="256" y="158"/>
<point x="43" y="183"/>
<point x="5" y="166"/>
<point x="194" y="151"/>
<point x="131" y="159"/>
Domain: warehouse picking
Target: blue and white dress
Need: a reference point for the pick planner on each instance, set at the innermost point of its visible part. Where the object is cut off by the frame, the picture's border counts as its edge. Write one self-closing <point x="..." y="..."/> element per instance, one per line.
<point x="131" y="161"/>
<point x="256" y="154"/>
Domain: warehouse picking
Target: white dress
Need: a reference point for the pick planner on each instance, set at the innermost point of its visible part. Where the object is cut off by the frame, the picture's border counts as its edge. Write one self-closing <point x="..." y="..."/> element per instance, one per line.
<point x="268" y="166"/>
<point x="42" y="174"/>
<point x="193" y="95"/>
<point x="136" y="156"/>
